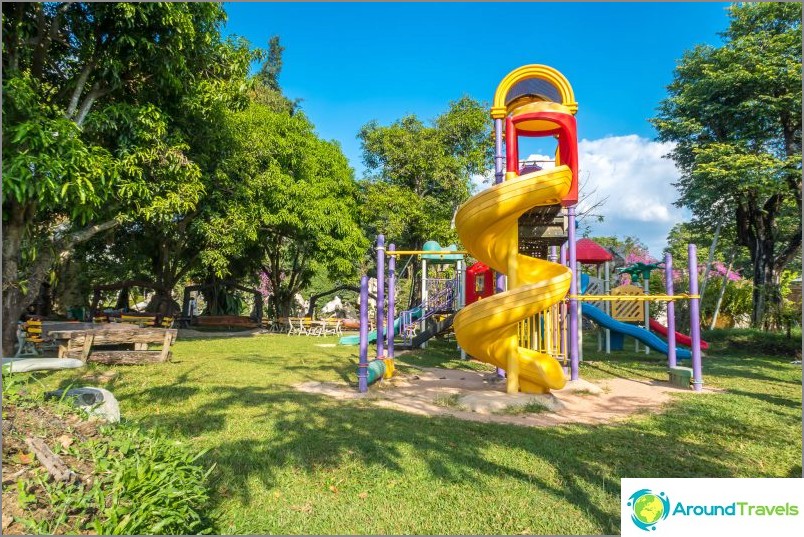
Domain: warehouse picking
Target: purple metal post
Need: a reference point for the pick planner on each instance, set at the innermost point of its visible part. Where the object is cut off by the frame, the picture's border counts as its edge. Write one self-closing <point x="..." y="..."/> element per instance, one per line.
<point x="391" y="299"/>
<point x="573" y="302"/>
<point x="671" y="311"/>
<point x="362" y="368"/>
<point x="499" y="175"/>
<point x="498" y="151"/>
<point x="380" y="295"/>
<point x="563" y="255"/>
<point x="695" y="321"/>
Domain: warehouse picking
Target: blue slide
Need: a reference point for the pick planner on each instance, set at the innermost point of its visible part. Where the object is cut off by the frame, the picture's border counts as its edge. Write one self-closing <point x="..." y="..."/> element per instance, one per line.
<point x="372" y="336"/>
<point x="648" y="338"/>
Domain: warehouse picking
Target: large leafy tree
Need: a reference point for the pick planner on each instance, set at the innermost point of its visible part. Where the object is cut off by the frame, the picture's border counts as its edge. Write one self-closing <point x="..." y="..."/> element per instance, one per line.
<point x="91" y="140"/>
<point x="734" y="113"/>
<point x="285" y="205"/>
<point x="419" y="174"/>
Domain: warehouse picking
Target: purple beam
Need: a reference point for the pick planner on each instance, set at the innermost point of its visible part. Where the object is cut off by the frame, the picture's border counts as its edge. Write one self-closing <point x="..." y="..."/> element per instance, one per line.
<point x="671" y="311"/>
<point x="695" y="321"/>
<point x="498" y="151"/>
<point x="391" y="299"/>
<point x="362" y="368"/>
<point x="563" y="255"/>
<point x="573" y="303"/>
<point x="380" y="295"/>
<point x="499" y="175"/>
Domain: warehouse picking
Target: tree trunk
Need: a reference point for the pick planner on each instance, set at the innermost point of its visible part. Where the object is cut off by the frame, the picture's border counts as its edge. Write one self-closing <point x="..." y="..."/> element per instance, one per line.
<point x="15" y="301"/>
<point x="763" y="281"/>
<point x="71" y="289"/>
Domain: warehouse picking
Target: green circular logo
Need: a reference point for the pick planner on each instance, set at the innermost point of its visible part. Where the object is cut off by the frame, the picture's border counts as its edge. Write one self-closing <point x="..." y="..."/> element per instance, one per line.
<point x="648" y="508"/>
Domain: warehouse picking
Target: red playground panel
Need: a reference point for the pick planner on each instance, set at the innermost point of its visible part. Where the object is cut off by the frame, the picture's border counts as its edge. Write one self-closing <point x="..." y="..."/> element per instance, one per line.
<point x="479" y="282"/>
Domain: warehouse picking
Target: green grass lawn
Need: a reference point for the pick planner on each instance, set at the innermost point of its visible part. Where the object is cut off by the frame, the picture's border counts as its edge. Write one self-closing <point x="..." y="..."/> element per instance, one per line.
<point x="295" y="463"/>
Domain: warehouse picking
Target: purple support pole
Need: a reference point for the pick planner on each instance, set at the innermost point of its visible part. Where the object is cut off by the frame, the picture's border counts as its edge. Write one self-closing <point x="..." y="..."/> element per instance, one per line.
<point x="573" y="303"/>
<point x="498" y="151"/>
<point x="499" y="288"/>
<point x="391" y="299"/>
<point x="362" y="368"/>
<point x="671" y="311"/>
<point x="499" y="175"/>
<point x="563" y="255"/>
<point x="695" y="321"/>
<point x="553" y="255"/>
<point x="380" y="295"/>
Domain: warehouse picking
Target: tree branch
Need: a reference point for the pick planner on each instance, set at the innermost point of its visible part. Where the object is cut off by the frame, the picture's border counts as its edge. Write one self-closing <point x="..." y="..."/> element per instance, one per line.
<point x="79" y="89"/>
<point x="83" y="235"/>
<point x="93" y="95"/>
<point x="789" y="251"/>
<point x="45" y="37"/>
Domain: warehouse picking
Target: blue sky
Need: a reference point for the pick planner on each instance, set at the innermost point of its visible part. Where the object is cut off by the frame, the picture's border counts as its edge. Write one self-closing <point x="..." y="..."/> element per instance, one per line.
<point x="354" y="62"/>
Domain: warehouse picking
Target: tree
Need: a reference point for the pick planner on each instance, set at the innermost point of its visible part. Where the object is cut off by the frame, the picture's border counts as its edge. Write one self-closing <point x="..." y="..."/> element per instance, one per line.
<point x="89" y="138"/>
<point x="285" y="204"/>
<point x="418" y="175"/>
<point x="272" y="66"/>
<point x="734" y="113"/>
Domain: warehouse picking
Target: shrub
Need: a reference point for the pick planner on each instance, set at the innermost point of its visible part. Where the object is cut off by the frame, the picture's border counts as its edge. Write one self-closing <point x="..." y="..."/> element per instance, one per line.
<point x="131" y="481"/>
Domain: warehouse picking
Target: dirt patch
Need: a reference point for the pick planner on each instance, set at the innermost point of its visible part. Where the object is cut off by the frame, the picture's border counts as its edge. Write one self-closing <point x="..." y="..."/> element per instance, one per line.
<point x="476" y="396"/>
<point x="22" y="472"/>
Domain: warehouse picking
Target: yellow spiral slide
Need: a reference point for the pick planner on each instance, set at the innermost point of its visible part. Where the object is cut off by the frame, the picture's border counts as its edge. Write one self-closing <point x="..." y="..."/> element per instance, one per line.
<point x="488" y="227"/>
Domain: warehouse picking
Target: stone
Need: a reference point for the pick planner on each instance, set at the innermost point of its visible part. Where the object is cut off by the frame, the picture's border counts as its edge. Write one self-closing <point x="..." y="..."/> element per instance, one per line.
<point x="581" y="385"/>
<point x="96" y="401"/>
<point x="498" y="401"/>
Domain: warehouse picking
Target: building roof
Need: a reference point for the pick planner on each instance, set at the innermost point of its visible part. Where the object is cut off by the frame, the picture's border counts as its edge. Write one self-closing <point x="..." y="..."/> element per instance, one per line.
<point x="588" y="251"/>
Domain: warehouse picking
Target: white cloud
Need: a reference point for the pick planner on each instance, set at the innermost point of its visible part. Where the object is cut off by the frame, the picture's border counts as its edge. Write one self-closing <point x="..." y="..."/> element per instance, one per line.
<point x="632" y="174"/>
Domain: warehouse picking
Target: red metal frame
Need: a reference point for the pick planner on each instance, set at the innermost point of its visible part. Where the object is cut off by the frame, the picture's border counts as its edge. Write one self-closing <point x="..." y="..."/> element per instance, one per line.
<point x="567" y="133"/>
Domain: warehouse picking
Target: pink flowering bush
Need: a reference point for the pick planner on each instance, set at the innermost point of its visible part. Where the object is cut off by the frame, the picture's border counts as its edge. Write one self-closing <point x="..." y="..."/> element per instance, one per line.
<point x="266" y="288"/>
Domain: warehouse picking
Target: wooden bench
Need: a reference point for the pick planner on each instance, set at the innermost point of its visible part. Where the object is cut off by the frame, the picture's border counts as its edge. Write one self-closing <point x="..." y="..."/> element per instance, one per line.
<point x="139" y="320"/>
<point x="80" y="345"/>
<point x="226" y="321"/>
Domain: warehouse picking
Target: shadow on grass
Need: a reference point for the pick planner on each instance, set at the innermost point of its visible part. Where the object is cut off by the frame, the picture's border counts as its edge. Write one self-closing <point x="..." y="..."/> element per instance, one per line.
<point x="258" y="428"/>
<point x="311" y="433"/>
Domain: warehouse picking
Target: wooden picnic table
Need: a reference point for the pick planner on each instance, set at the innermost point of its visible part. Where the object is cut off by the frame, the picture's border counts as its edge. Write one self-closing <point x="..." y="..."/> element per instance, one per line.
<point x="78" y="342"/>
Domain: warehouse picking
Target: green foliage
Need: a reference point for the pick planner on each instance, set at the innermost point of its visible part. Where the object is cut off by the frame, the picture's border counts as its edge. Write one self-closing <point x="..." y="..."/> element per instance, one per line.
<point x="747" y="342"/>
<point x="101" y="105"/>
<point x="284" y="201"/>
<point x="272" y="66"/>
<point x="151" y="485"/>
<point x="420" y="174"/>
<point x="734" y="114"/>
<point x="141" y="482"/>
<point x="622" y="246"/>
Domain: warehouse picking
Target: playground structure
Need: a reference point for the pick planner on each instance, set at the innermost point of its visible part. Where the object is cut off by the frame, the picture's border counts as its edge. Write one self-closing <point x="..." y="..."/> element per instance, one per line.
<point x="441" y="298"/>
<point x="529" y="329"/>
<point x="615" y="317"/>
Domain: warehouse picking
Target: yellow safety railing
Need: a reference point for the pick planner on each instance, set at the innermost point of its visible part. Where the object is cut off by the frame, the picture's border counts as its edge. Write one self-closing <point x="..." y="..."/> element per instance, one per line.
<point x="423" y="252"/>
<point x="543" y="333"/>
<point x="622" y="298"/>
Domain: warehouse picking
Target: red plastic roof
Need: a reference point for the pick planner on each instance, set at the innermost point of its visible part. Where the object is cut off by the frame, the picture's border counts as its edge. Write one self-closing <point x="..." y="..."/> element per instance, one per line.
<point x="477" y="268"/>
<point x="588" y="251"/>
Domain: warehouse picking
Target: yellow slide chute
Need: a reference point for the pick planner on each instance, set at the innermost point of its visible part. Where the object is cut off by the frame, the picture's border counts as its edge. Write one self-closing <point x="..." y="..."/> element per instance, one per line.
<point x="488" y="227"/>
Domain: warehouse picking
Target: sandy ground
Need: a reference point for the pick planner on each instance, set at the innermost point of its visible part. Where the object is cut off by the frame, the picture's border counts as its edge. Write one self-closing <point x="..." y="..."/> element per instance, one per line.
<point x="481" y="397"/>
<point x="477" y="396"/>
